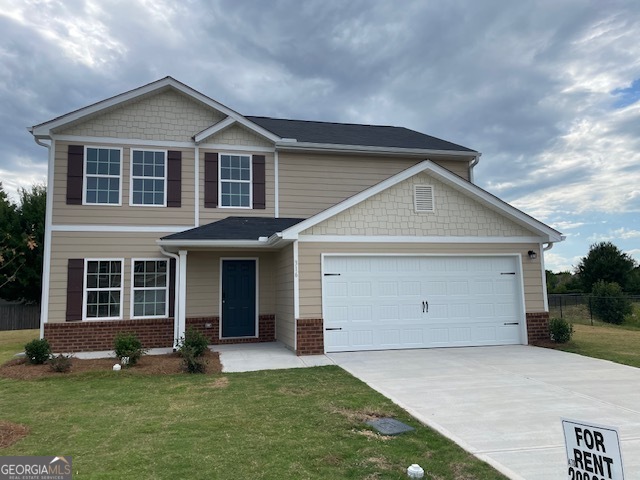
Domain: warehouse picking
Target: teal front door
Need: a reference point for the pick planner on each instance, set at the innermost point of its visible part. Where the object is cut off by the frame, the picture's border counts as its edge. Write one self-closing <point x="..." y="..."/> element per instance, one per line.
<point x="238" y="298"/>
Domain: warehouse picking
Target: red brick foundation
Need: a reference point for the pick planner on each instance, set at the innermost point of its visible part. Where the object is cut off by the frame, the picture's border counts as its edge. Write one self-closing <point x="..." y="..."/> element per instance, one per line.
<point x="153" y="333"/>
<point x="310" y="335"/>
<point x="538" y="327"/>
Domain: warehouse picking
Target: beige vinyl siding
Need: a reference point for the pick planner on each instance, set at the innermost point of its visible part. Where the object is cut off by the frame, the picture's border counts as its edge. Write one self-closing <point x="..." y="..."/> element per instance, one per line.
<point x="285" y="315"/>
<point x="203" y="281"/>
<point x="310" y="277"/>
<point x="166" y="116"/>
<point x="460" y="168"/>
<point x="124" y="214"/>
<point x="66" y="245"/>
<point x="310" y="183"/>
<point x="208" y="215"/>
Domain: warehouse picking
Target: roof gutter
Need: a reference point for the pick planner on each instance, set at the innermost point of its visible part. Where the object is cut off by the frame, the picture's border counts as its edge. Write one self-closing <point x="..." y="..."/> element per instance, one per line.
<point x="294" y="146"/>
<point x="262" y="242"/>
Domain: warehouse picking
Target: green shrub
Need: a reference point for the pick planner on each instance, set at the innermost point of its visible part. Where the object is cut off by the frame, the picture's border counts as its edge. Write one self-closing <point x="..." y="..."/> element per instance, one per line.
<point x="192" y="363"/>
<point x="128" y="348"/>
<point x="60" y="363"/>
<point x="560" y="330"/>
<point x="609" y="303"/>
<point x="37" y="351"/>
<point x="195" y="341"/>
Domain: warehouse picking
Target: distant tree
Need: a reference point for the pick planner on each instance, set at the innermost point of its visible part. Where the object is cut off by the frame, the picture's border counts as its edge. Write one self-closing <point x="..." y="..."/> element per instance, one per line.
<point x="634" y="283"/>
<point x="21" y="248"/>
<point x="609" y="303"/>
<point x="605" y="262"/>
<point x="562" y="282"/>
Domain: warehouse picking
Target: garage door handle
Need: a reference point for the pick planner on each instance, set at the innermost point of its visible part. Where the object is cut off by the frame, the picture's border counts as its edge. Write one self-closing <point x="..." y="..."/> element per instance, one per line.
<point x="513" y="323"/>
<point x="336" y="328"/>
<point x="425" y="307"/>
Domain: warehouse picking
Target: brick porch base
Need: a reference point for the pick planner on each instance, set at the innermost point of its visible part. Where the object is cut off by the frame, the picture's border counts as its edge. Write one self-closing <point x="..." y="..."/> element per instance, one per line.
<point x="154" y="333"/>
<point x="538" y="327"/>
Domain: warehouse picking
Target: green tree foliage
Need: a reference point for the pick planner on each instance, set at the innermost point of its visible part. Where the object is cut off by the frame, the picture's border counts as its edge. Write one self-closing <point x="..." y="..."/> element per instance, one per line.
<point x="608" y="263"/>
<point x="562" y="282"/>
<point x="609" y="303"/>
<point x="21" y="245"/>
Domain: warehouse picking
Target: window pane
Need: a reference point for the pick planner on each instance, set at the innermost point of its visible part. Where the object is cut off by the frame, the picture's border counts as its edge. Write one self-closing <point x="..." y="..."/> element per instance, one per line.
<point x="245" y="163"/>
<point x="92" y="155"/>
<point x="225" y="173"/>
<point x="103" y="155"/>
<point x="225" y="161"/>
<point x="137" y="156"/>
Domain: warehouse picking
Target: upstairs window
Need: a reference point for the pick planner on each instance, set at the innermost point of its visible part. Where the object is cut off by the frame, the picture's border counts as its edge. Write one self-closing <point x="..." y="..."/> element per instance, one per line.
<point x="148" y="174"/>
<point x="102" y="178"/>
<point x="235" y="181"/>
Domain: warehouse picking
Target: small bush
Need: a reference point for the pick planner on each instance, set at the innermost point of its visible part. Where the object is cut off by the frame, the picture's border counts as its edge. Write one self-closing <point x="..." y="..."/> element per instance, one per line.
<point x="192" y="363"/>
<point x="560" y="330"/>
<point x="60" y="363"/>
<point x="37" y="351"/>
<point x="193" y="340"/>
<point x="128" y="347"/>
<point x="609" y="303"/>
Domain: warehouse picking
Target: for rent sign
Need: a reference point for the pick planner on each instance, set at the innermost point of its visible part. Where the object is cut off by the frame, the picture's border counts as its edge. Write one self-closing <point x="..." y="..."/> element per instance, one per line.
<point x="593" y="451"/>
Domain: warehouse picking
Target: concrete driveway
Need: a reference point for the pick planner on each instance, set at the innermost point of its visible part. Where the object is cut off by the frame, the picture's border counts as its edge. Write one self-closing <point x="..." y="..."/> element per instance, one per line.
<point x="504" y="404"/>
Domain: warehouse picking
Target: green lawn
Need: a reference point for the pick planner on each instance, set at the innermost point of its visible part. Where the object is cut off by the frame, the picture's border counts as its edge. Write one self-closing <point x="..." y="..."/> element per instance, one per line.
<point x="619" y="344"/>
<point x="282" y="424"/>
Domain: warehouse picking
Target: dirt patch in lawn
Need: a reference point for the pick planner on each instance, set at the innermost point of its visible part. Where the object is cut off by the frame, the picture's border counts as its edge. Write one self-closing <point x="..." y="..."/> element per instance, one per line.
<point x="167" y="364"/>
<point x="11" y="432"/>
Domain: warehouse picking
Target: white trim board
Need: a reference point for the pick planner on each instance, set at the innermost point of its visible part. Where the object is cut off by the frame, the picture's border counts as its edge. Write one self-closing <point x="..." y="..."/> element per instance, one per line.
<point x="442" y="174"/>
<point x="408" y="239"/>
<point x="120" y="228"/>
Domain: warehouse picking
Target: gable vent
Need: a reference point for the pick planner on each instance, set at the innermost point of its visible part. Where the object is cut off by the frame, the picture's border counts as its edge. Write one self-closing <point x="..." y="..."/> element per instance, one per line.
<point x="423" y="198"/>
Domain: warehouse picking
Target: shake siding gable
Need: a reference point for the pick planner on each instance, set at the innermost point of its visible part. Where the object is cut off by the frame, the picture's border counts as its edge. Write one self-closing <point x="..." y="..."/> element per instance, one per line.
<point x="75" y="171"/>
<point x="75" y="282"/>
<point x="174" y="178"/>
<point x="210" y="180"/>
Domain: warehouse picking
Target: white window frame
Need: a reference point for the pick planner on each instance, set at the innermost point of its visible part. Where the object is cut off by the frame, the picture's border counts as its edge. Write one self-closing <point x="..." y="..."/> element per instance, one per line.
<point x="85" y="290"/>
<point x="134" y="288"/>
<point x="415" y="198"/>
<point x="85" y="175"/>
<point x="164" y="179"/>
<point x="250" y="181"/>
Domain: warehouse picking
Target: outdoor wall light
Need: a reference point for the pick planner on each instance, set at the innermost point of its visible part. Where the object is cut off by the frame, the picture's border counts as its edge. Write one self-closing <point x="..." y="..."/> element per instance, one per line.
<point x="532" y="255"/>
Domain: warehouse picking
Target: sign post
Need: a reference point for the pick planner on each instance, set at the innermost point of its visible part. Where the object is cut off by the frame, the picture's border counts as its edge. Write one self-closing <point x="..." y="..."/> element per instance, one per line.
<point x="593" y="451"/>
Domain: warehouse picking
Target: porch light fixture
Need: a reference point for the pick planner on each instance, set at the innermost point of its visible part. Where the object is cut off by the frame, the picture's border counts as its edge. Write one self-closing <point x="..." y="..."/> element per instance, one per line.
<point x="532" y="255"/>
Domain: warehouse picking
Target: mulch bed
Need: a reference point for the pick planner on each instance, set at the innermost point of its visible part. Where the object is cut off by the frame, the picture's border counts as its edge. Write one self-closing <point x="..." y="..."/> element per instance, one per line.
<point x="168" y="364"/>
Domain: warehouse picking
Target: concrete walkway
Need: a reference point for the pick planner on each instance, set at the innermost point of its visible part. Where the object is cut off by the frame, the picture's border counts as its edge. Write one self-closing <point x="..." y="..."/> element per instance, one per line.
<point x="504" y="404"/>
<point x="249" y="357"/>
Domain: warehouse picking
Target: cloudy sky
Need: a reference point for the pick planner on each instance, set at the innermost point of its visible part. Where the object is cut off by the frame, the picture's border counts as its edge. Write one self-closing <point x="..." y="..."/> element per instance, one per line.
<point x="548" y="91"/>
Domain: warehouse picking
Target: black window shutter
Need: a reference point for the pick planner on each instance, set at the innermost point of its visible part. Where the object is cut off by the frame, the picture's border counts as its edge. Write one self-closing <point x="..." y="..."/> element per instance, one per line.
<point x="75" y="168"/>
<point x="174" y="178"/>
<point x="75" y="283"/>
<point x="172" y="286"/>
<point x="211" y="180"/>
<point x="259" y="192"/>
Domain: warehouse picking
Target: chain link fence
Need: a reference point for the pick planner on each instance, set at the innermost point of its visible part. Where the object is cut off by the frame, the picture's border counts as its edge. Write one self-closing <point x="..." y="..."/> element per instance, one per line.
<point x="578" y="307"/>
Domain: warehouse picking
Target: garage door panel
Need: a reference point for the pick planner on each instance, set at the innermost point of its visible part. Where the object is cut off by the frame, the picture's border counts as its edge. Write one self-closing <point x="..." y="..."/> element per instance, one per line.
<point x="377" y="302"/>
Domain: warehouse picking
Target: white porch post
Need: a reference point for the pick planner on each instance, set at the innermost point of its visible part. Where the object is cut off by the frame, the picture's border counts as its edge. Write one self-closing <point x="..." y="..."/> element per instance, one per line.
<point x="182" y="295"/>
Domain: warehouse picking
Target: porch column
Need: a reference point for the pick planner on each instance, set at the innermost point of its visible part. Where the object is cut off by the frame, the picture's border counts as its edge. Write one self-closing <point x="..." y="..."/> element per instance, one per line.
<point x="182" y="294"/>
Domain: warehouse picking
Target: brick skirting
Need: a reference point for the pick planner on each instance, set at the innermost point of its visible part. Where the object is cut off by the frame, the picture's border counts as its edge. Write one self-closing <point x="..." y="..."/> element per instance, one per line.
<point x="153" y="333"/>
<point x="538" y="327"/>
<point x="310" y="335"/>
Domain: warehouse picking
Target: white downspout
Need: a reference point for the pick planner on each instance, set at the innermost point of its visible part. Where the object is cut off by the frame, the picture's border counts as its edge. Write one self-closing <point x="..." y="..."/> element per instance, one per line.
<point x="197" y="187"/>
<point x="176" y="293"/>
<point x="472" y="164"/>
<point x="276" y="184"/>
<point x="46" y="259"/>
<point x="182" y="302"/>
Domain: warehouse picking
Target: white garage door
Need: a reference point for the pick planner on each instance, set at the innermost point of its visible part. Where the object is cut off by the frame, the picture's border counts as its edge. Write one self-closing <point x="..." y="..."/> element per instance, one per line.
<point x="393" y="302"/>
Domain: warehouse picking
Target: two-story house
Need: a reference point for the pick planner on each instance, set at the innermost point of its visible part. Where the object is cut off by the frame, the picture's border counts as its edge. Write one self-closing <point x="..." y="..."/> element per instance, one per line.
<point x="166" y="209"/>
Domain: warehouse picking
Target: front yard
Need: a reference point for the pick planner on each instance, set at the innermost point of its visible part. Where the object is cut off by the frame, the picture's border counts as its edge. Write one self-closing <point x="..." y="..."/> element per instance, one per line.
<point x="298" y="424"/>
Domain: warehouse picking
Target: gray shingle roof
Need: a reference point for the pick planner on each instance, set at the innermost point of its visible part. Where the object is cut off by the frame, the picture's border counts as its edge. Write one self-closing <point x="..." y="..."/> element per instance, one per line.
<point x="236" y="228"/>
<point x="354" y="134"/>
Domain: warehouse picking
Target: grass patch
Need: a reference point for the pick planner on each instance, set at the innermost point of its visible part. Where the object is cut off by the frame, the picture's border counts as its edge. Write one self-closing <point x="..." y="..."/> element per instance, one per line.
<point x="618" y="343"/>
<point x="13" y="341"/>
<point x="298" y="424"/>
